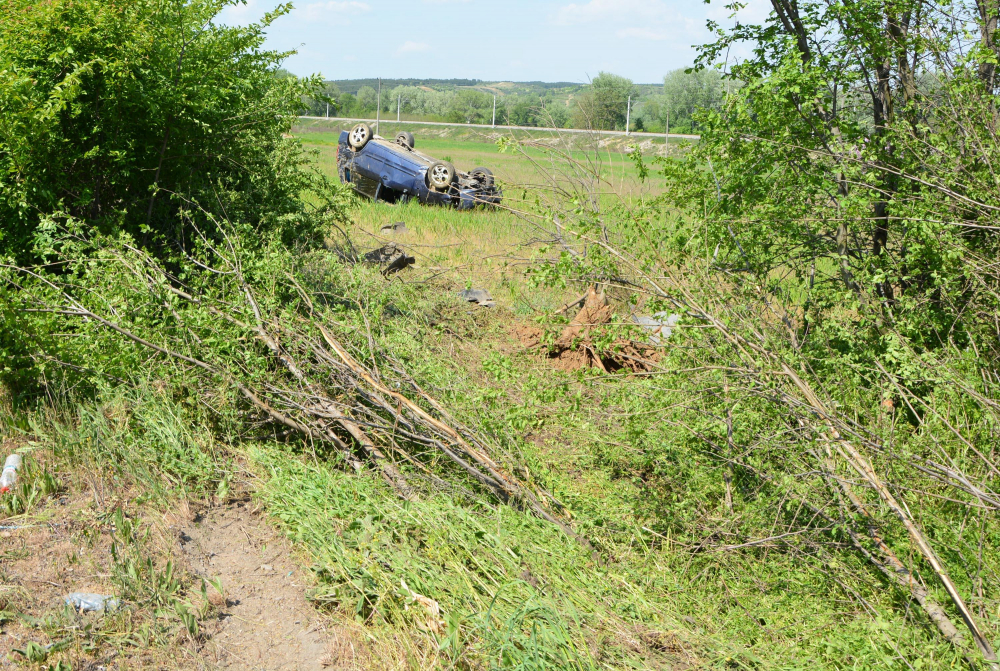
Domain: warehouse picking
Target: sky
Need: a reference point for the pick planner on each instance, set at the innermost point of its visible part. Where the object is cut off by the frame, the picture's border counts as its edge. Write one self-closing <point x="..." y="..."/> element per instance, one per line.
<point x="502" y="40"/>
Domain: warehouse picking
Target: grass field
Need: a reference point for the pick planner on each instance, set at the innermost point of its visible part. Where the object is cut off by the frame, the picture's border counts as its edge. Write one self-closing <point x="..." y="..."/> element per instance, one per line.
<point x="488" y="248"/>
<point x="442" y="581"/>
<point x="477" y="146"/>
<point x="595" y="436"/>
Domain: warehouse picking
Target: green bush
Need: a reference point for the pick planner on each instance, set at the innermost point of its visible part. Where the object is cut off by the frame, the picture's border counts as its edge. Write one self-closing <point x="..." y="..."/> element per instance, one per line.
<point x="137" y="115"/>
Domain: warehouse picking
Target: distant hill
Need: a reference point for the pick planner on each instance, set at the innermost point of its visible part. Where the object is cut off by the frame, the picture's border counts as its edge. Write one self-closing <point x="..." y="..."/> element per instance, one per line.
<point x="353" y="85"/>
<point x="645" y="107"/>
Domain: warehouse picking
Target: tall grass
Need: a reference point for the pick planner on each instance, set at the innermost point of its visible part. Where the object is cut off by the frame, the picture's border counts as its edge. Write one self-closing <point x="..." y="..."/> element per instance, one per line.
<point x="689" y="481"/>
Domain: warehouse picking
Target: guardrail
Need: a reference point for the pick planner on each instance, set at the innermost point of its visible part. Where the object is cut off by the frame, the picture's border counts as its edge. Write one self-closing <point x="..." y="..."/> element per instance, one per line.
<point x="499" y="127"/>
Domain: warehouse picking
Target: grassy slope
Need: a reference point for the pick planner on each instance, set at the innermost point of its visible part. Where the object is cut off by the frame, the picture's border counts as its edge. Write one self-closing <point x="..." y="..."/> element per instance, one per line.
<point x="635" y="485"/>
<point x="638" y="483"/>
<point x="516" y="593"/>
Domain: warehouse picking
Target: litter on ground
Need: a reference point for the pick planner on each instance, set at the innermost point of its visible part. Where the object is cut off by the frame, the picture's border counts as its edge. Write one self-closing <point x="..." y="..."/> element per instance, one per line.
<point x="9" y="476"/>
<point x="86" y="602"/>
<point x="659" y="325"/>
<point x="394" y="228"/>
<point x="391" y="257"/>
<point x="480" y="296"/>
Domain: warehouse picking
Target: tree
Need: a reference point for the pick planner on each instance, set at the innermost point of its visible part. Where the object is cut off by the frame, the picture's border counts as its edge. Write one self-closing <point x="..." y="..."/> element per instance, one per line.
<point x="853" y="178"/>
<point x="604" y="105"/>
<point x="684" y="93"/>
<point x="844" y="89"/>
<point x="328" y="99"/>
<point x="349" y="105"/>
<point x="367" y="99"/>
<point x="522" y="110"/>
<point x="470" y="106"/>
<point x="554" y="115"/>
<point x="420" y="101"/>
<point x="651" y="111"/>
<point x="141" y="117"/>
<point x="532" y="110"/>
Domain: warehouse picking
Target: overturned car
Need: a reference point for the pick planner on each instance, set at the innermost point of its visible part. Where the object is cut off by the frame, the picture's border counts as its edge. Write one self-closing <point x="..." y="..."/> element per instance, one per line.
<point x="393" y="171"/>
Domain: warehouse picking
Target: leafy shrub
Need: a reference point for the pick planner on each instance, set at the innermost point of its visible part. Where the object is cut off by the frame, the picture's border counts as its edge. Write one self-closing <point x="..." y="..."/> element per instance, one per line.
<point x="137" y="115"/>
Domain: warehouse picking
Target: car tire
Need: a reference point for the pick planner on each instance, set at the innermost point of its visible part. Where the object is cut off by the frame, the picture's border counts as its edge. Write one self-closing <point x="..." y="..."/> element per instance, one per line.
<point x="440" y="175"/>
<point x="359" y="136"/>
<point x="405" y="139"/>
<point x="484" y="176"/>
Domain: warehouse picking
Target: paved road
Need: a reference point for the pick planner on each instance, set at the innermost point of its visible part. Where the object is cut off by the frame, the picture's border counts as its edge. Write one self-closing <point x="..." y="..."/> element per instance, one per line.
<point x="476" y="125"/>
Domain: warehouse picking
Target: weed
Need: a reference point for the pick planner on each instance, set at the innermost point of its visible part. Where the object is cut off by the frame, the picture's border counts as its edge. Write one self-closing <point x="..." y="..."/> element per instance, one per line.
<point x="33" y="652"/>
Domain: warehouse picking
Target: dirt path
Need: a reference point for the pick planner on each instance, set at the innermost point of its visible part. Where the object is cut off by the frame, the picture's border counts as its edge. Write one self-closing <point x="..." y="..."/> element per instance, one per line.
<point x="267" y="622"/>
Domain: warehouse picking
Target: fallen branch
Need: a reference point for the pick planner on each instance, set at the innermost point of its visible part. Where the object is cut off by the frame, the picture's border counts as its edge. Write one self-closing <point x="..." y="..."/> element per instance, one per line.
<point x="323" y="394"/>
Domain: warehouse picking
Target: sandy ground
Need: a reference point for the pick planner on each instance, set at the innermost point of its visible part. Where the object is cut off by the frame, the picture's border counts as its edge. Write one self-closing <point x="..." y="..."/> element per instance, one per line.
<point x="267" y="622"/>
<point x="263" y="620"/>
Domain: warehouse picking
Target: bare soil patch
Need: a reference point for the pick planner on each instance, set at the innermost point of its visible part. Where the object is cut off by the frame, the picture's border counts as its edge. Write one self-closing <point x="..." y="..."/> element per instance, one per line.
<point x="575" y="348"/>
<point x="266" y="622"/>
<point x="66" y="547"/>
<point x="263" y="620"/>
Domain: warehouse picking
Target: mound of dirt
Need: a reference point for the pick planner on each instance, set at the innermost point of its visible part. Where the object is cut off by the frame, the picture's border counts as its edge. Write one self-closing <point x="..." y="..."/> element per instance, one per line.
<point x="574" y="348"/>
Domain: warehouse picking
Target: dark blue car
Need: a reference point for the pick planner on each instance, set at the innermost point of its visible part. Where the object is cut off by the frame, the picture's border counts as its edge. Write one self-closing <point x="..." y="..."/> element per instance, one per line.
<point x="395" y="172"/>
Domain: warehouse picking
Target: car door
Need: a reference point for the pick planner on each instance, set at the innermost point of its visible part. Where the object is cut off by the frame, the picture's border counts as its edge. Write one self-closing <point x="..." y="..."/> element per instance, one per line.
<point x="368" y="168"/>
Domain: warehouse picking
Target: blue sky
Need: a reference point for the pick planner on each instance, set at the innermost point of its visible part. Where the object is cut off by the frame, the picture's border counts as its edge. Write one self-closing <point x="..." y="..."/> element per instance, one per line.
<point x="519" y="40"/>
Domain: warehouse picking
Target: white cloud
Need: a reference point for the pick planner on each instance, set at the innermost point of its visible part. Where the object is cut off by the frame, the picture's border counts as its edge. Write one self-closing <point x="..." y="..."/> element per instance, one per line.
<point x="642" y="34"/>
<point x="350" y="7"/>
<point x="617" y="11"/>
<point x="328" y="10"/>
<point x="412" y="47"/>
<point x="239" y="14"/>
<point x="445" y="2"/>
<point x="755" y="12"/>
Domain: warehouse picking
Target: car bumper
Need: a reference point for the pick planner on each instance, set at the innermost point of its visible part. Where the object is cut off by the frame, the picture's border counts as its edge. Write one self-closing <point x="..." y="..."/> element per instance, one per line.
<point x="470" y="198"/>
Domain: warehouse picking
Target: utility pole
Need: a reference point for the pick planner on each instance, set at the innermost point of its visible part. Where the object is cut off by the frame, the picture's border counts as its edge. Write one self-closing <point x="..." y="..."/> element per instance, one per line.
<point x="494" y="111"/>
<point x="328" y="110"/>
<point x="399" y="105"/>
<point x="378" y="104"/>
<point x="628" y="114"/>
<point x="667" y="122"/>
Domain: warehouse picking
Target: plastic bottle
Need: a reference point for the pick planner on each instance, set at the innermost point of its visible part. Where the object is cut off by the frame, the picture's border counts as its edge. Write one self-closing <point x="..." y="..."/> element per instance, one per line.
<point x="86" y="602"/>
<point x="9" y="475"/>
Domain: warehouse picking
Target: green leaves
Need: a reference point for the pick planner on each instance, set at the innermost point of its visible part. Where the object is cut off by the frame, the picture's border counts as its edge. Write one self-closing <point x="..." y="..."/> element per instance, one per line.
<point x="142" y="117"/>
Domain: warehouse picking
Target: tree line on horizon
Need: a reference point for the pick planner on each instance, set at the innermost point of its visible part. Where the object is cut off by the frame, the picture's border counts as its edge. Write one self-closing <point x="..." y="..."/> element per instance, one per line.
<point x="601" y="105"/>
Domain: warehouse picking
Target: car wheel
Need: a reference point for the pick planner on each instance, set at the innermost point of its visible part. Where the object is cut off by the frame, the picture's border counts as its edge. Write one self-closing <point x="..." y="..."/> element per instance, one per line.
<point x="484" y="176"/>
<point x="405" y="139"/>
<point x="440" y="175"/>
<point x="359" y="136"/>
